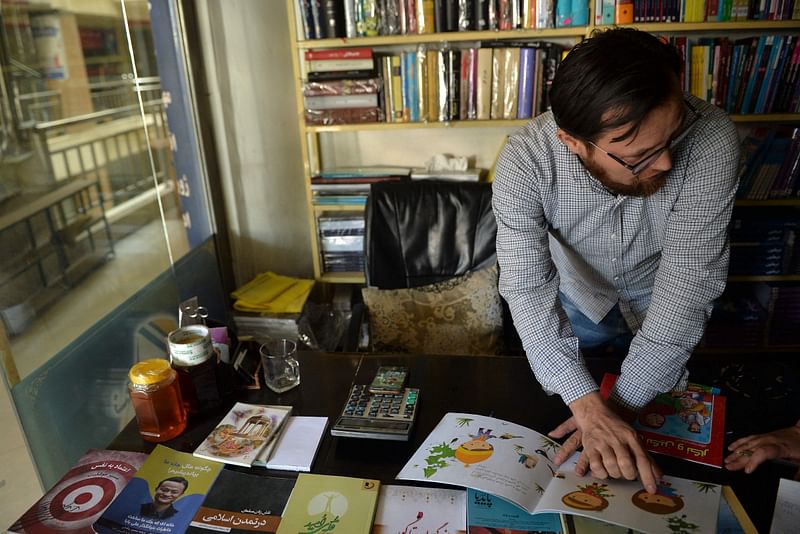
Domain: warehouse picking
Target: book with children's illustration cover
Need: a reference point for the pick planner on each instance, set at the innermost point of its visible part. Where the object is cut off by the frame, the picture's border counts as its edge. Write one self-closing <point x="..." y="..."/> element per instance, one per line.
<point x="515" y="463"/>
<point x="244" y="431"/>
<point x="163" y="497"/>
<point x="686" y="424"/>
<point x="75" y="502"/>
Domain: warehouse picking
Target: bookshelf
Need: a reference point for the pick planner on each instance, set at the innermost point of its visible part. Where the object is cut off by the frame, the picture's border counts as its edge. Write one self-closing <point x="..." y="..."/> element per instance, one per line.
<point x="317" y="140"/>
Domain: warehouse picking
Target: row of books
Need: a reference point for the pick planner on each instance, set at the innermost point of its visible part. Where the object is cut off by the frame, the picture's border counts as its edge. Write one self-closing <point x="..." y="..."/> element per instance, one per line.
<point x="637" y="11"/>
<point x="170" y="492"/>
<point x="498" y="80"/>
<point x="751" y="315"/>
<point x="325" y="19"/>
<point x="764" y="246"/>
<point x="749" y="75"/>
<point x="770" y="164"/>
<point x="341" y="238"/>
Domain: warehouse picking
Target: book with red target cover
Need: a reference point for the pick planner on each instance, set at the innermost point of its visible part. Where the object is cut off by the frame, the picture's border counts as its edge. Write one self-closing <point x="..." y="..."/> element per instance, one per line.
<point x="78" y="499"/>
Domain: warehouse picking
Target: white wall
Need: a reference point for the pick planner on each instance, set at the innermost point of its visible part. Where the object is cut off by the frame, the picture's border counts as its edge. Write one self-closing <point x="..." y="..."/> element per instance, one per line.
<point x="248" y="59"/>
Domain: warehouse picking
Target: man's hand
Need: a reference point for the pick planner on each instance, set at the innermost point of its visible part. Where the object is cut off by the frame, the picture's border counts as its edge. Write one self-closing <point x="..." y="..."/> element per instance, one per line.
<point x="750" y="452"/>
<point x="611" y="446"/>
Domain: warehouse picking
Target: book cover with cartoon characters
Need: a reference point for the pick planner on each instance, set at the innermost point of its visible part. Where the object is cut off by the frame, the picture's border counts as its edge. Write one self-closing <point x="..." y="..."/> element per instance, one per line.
<point x="242" y="434"/>
<point x="331" y="504"/>
<point x="684" y="424"/>
<point x="515" y="463"/>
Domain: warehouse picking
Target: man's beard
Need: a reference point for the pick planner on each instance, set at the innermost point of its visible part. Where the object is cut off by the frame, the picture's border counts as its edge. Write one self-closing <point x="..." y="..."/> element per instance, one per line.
<point x="639" y="187"/>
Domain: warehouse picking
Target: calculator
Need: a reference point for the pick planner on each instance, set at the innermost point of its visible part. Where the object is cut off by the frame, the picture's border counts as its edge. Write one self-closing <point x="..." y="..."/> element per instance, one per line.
<point x="377" y="415"/>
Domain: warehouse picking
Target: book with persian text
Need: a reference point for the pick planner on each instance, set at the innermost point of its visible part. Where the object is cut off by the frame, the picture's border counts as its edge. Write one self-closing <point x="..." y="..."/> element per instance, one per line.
<point x="687" y="424"/>
<point x="515" y="463"/>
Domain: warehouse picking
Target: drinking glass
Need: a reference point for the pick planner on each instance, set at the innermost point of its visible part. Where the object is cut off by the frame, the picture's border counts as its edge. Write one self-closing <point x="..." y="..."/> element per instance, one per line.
<point x="281" y="369"/>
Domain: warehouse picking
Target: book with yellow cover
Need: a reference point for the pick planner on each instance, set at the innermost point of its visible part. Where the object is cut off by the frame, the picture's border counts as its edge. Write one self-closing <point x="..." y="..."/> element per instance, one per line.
<point x="331" y="504"/>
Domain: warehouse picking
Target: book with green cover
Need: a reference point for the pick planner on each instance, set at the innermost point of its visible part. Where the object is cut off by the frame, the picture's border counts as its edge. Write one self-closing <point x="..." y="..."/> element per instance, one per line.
<point x="331" y="504"/>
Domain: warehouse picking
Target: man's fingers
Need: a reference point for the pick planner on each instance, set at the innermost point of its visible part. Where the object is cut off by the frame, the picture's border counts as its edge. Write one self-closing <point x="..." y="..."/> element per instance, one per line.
<point x="582" y="465"/>
<point x="596" y="465"/>
<point x="564" y="428"/>
<point x="570" y="446"/>
<point x="611" y="458"/>
<point x="759" y="456"/>
<point x="646" y="472"/>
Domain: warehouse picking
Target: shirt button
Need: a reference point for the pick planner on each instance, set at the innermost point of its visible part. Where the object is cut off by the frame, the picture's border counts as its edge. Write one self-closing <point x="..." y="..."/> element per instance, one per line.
<point x="613" y="235"/>
<point x="613" y="260"/>
<point x="616" y="278"/>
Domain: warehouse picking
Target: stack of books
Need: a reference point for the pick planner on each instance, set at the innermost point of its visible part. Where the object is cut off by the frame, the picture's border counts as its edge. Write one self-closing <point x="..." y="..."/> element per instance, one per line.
<point x="342" y="87"/>
<point x="341" y="235"/>
<point x="350" y="185"/>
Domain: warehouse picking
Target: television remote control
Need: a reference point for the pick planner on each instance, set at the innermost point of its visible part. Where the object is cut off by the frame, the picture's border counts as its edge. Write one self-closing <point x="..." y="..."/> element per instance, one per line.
<point x="377" y="415"/>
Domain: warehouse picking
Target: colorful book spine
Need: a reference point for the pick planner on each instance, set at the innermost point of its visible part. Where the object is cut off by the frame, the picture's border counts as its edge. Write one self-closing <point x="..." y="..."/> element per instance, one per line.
<point x="525" y="94"/>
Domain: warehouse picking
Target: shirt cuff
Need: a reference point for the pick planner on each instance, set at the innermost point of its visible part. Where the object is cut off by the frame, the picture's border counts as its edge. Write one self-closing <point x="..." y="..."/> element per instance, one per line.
<point x="574" y="383"/>
<point x="632" y="394"/>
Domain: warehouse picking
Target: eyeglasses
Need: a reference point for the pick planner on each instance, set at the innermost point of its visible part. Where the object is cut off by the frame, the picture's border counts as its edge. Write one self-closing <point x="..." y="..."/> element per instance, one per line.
<point x="650" y="159"/>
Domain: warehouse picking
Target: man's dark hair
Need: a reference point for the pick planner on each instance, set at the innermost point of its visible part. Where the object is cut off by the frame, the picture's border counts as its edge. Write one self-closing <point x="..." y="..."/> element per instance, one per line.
<point x="179" y="480"/>
<point x="621" y="72"/>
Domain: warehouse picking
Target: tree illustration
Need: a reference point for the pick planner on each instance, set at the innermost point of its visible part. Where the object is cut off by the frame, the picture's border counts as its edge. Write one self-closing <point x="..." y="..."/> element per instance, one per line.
<point x="704" y="487"/>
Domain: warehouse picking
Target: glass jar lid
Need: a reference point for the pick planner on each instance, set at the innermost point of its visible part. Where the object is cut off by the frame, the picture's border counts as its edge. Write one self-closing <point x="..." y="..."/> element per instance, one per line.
<point x="149" y="372"/>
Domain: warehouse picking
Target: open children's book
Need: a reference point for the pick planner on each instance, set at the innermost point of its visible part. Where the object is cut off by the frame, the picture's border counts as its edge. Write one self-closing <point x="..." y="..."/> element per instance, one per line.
<point x="686" y="424"/>
<point x="515" y="463"/>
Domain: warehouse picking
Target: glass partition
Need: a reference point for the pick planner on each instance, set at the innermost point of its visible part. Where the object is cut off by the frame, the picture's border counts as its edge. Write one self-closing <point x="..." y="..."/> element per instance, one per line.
<point x="102" y="200"/>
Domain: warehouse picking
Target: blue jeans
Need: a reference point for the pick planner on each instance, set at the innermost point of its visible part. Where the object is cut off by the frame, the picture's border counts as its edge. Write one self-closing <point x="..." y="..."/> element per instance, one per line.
<point x="612" y="332"/>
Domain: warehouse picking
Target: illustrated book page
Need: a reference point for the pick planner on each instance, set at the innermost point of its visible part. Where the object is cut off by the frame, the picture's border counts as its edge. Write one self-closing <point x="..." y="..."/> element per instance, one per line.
<point x="513" y="462"/>
<point x="75" y="502"/>
<point x="415" y="510"/>
<point x="688" y="424"/>
<point x="163" y="497"/>
<point x="244" y="431"/>
<point x="331" y="504"/>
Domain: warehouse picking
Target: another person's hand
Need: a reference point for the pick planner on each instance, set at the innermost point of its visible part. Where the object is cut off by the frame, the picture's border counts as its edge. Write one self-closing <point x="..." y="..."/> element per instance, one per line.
<point x="611" y="447"/>
<point x="752" y="451"/>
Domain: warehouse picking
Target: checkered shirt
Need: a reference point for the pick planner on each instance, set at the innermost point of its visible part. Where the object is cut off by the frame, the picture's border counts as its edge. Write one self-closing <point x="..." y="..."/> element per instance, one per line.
<point x="663" y="258"/>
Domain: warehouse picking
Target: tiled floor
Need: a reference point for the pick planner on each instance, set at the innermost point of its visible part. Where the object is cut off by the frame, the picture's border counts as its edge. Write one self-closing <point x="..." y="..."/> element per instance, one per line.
<point x="139" y="258"/>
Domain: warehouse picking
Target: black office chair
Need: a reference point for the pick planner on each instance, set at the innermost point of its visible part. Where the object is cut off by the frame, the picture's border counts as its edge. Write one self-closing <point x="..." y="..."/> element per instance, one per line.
<point x="422" y="232"/>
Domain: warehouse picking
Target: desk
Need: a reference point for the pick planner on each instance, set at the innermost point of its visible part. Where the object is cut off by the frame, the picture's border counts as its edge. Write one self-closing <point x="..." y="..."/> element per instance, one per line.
<point x="501" y="386"/>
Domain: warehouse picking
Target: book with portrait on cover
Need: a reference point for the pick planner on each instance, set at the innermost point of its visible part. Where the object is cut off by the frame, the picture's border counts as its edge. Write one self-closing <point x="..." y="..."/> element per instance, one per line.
<point x="163" y="496"/>
<point x="685" y="424"/>
<point x="515" y="463"/>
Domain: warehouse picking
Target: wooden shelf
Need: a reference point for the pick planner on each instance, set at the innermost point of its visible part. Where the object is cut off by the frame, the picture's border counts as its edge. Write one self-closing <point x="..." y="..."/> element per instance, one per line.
<point x="707" y="27"/>
<point x="339" y="207"/>
<point x="510" y="123"/>
<point x="449" y="37"/>
<point x="765" y="278"/>
<point x="748" y="203"/>
<point x="343" y="278"/>
<point x="766" y="117"/>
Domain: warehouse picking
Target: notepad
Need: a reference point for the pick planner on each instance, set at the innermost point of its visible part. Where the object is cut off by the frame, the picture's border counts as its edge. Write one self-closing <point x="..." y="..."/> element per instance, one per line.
<point x="297" y="445"/>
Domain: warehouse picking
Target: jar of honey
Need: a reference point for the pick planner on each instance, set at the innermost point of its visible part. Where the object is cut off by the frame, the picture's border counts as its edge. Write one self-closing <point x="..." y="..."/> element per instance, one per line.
<point x="157" y="401"/>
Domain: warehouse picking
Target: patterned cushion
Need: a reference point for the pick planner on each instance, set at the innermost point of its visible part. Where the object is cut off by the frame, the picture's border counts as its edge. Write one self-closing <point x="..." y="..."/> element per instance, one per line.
<point x="463" y="315"/>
